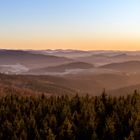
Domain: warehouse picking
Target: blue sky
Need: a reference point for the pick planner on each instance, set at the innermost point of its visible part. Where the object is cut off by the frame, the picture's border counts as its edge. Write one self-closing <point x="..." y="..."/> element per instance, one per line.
<point x="69" y="18"/>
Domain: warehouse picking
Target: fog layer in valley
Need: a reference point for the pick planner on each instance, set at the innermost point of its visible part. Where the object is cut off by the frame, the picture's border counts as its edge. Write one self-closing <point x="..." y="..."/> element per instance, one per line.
<point x="86" y="71"/>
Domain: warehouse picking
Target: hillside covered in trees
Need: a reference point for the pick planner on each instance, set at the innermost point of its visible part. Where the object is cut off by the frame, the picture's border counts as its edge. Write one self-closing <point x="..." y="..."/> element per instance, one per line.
<point x="70" y="118"/>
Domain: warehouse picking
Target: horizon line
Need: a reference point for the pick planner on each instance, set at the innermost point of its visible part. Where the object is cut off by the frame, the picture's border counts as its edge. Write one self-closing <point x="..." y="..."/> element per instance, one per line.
<point x="15" y="49"/>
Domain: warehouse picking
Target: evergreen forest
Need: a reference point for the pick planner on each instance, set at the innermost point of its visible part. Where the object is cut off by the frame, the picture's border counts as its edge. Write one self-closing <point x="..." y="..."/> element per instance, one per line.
<point x="70" y="118"/>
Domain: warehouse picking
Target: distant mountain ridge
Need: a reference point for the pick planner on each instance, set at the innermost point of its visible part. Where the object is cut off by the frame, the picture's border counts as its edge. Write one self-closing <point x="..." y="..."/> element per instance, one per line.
<point x="64" y="67"/>
<point x="124" y="66"/>
<point x="30" y="60"/>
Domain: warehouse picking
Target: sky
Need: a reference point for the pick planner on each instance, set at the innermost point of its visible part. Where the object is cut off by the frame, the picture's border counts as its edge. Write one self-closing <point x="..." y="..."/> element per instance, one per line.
<point x="70" y="24"/>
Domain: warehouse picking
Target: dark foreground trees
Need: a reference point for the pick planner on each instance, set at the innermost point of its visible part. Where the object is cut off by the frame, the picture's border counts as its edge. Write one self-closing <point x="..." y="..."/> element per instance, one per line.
<point x="70" y="118"/>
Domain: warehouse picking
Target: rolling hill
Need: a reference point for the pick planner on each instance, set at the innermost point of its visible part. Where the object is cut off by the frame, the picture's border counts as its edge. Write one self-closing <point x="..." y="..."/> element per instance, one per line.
<point x="63" y="67"/>
<point x="129" y="66"/>
<point x="33" y="85"/>
<point x="39" y="72"/>
<point x="19" y="61"/>
<point x="68" y="84"/>
<point x="125" y="90"/>
<point x="9" y="57"/>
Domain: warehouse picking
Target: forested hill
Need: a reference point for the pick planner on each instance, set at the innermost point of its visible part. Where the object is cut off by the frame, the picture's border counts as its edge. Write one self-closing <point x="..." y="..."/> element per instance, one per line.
<point x="70" y="118"/>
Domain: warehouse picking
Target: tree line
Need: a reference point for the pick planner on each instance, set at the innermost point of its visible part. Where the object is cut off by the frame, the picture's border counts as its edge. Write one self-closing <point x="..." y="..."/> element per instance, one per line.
<point x="70" y="118"/>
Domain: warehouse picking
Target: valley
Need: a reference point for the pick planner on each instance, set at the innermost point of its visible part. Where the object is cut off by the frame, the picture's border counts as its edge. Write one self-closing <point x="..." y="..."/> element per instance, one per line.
<point x="57" y="72"/>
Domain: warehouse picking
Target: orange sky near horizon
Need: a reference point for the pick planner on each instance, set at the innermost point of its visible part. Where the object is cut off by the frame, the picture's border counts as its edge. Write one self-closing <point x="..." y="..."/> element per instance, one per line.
<point x="81" y="43"/>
